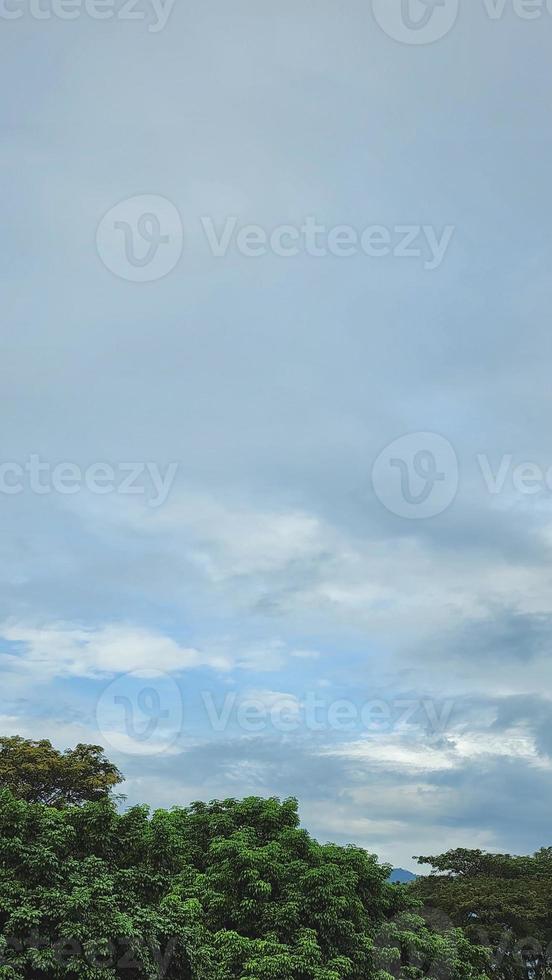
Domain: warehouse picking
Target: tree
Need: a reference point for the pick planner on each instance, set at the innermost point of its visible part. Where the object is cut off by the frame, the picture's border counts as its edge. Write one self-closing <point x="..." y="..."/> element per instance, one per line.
<point x="37" y="772"/>
<point x="500" y="900"/>
<point x="231" y="890"/>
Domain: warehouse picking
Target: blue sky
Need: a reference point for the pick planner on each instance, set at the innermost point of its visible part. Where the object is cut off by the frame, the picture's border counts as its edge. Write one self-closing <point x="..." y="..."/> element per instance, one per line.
<point x="386" y="663"/>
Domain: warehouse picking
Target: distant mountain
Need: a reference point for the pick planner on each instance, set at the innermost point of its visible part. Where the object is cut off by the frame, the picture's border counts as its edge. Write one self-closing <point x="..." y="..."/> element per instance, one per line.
<point x="400" y="876"/>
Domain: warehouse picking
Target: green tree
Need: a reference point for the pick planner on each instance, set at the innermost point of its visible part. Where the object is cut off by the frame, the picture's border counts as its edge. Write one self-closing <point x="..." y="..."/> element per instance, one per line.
<point x="37" y="772"/>
<point x="231" y="890"/>
<point x="500" y="900"/>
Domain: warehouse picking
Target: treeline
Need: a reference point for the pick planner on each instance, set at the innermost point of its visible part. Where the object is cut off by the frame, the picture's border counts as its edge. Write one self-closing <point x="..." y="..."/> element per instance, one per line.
<point x="235" y="890"/>
<point x="499" y="901"/>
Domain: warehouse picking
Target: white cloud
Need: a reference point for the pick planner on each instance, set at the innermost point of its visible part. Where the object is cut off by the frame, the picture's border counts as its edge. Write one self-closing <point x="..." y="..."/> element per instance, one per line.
<point x="395" y="755"/>
<point x="360" y="576"/>
<point x="410" y="755"/>
<point x="408" y="596"/>
<point x="64" y="650"/>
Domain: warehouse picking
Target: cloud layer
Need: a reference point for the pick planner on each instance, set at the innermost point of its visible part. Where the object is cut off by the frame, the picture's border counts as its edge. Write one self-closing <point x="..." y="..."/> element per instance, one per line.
<point x="394" y="674"/>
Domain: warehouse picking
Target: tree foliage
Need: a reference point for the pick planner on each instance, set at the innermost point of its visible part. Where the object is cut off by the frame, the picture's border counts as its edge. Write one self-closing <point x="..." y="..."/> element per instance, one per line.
<point x="500" y="900"/>
<point x="231" y="890"/>
<point x="37" y="772"/>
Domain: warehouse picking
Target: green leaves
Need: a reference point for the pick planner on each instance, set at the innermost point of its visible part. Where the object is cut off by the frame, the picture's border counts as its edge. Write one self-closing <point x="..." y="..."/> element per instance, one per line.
<point x="36" y="772"/>
<point x="231" y="890"/>
<point x="500" y="901"/>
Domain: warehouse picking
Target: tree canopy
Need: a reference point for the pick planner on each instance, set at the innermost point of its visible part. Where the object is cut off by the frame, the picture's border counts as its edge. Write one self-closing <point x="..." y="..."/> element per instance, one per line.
<point x="37" y="772"/>
<point x="231" y="890"/>
<point x="500" y="900"/>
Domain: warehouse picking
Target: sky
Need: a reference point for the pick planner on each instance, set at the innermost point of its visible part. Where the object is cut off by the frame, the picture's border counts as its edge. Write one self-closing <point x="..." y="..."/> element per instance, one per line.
<point x="275" y="455"/>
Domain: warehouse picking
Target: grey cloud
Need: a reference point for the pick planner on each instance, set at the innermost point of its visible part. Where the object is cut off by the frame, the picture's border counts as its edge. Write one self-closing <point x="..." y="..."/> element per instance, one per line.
<point x="533" y="711"/>
<point x="500" y="803"/>
<point x="506" y="634"/>
<point x="277" y="384"/>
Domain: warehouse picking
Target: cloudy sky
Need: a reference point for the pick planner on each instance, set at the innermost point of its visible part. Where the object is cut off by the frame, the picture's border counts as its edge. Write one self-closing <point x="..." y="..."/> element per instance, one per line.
<point x="275" y="466"/>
